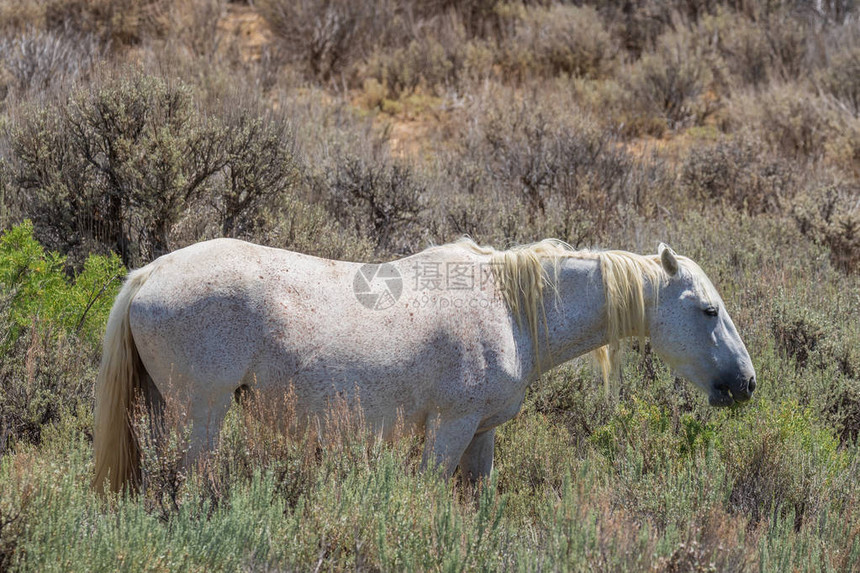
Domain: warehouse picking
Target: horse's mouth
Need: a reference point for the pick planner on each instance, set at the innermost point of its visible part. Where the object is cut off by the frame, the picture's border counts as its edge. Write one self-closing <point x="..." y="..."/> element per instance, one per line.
<point x="721" y="396"/>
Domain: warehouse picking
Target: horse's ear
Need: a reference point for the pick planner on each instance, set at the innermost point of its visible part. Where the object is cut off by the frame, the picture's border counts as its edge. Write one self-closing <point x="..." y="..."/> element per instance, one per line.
<point x="668" y="259"/>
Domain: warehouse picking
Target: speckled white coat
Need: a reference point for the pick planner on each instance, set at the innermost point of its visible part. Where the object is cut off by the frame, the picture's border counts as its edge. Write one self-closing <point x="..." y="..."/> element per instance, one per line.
<point x="224" y="313"/>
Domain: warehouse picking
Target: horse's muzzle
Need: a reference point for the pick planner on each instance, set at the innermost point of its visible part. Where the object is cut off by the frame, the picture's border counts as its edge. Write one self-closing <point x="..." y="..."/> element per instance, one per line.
<point x="728" y="393"/>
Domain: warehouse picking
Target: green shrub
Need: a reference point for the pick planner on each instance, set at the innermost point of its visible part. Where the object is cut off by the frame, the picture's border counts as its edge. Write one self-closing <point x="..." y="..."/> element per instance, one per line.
<point x="381" y="202"/>
<point x="781" y="463"/>
<point x="795" y="123"/>
<point x="647" y="429"/>
<point x="841" y="79"/>
<point x="260" y="165"/>
<point x="326" y="37"/>
<point x="843" y="412"/>
<point x="573" y="396"/>
<point x="123" y="22"/>
<point x="32" y="280"/>
<point x="38" y="60"/>
<point x="829" y="216"/>
<point x="120" y="164"/>
<point x="742" y="45"/>
<point x="51" y="326"/>
<point x="637" y="30"/>
<point x="556" y="40"/>
<point x="38" y="290"/>
<point x="309" y="228"/>
<point x="556" y="165"/>
<point x="532" y="456"/>
<point x="799" y="335"/>
<point x="734" y="173"/>
<point x="425" y="62"/>
<point x="788" y="34"/>
<point x="671" y="82"/>
<point x="117" y="162"/>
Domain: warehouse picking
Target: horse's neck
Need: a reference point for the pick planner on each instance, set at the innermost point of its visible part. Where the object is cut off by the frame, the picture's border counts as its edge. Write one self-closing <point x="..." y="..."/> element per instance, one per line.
<point x="575" y="320"/>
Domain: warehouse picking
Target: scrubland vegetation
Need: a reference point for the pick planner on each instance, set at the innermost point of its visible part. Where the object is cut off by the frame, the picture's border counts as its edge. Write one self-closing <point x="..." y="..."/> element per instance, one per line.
<point x="369" y="130"/>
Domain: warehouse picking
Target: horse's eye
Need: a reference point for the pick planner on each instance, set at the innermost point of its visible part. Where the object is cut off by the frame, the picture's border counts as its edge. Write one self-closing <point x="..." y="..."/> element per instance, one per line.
<point x="712" y="311"/>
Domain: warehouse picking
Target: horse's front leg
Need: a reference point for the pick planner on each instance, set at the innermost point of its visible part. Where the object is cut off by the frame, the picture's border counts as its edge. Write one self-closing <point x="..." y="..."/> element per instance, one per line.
<point x="477" y="461"/>
<point x="446" y="440"/>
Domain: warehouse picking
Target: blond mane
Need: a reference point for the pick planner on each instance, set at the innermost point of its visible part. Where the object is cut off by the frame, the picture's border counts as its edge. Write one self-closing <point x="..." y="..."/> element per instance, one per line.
<point x="523" y="273"/>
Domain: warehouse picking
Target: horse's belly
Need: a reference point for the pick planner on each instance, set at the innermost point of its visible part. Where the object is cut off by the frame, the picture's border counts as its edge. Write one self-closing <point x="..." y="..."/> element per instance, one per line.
<point x="388" y="391"/>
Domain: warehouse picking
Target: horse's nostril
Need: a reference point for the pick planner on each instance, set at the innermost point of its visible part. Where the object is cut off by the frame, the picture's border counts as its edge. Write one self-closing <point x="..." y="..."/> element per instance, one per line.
<point x="751" y="384"/>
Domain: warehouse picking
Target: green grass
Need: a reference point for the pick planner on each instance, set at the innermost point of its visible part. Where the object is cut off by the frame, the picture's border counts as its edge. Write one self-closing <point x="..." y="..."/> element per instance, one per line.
<point x="731" y="135"/>
<point x="647" y="478"/>
<point x="634" y="510"/>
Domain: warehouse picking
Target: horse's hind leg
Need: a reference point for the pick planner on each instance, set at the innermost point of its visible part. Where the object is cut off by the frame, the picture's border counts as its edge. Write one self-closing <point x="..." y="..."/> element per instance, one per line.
<point x="192" y="409"/>
<point x="153" y="401"/>
<point x="446" y="440"/>
<point x="477" y="461"/>
<point x="206" y="416"/>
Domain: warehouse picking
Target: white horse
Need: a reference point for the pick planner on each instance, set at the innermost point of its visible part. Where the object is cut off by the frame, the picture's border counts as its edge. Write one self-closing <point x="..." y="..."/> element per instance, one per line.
<point x="448" y="339"/>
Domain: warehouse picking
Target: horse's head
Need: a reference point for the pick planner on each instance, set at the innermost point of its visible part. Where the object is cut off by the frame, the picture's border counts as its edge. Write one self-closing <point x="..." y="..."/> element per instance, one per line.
<point x="692" y="331"/>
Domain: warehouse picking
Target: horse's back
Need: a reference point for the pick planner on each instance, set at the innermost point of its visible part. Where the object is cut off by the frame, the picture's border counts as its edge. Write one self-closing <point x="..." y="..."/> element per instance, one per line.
<point x="206" y="311"/>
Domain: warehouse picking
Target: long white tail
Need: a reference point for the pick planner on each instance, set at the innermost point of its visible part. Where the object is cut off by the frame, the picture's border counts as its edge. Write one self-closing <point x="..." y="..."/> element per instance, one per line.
<point x="116" y="450"/>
